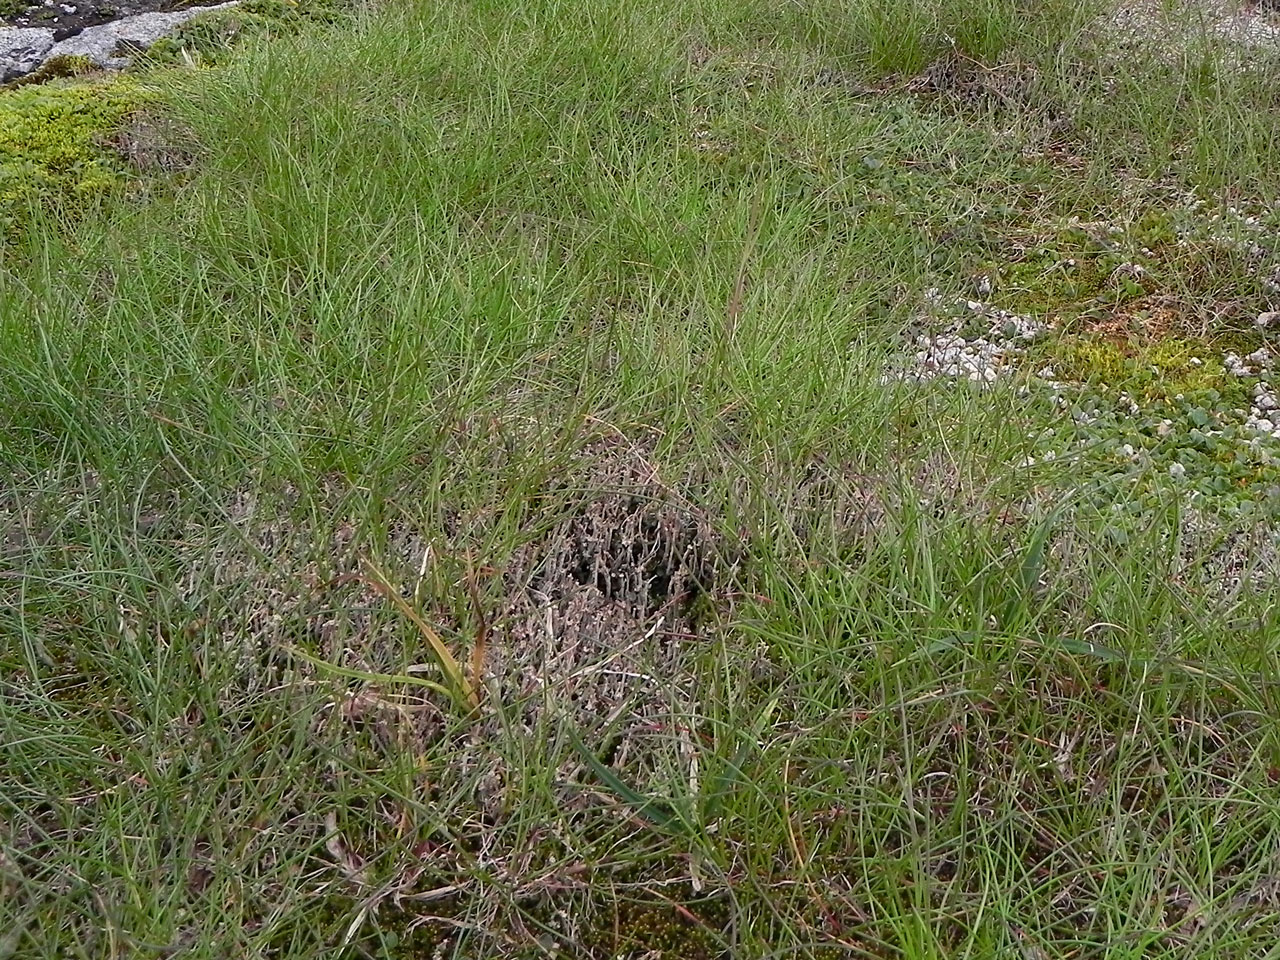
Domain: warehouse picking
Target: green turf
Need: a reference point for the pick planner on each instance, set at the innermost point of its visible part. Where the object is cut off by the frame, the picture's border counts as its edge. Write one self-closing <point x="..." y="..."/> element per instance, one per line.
<point x="567" y="323"/>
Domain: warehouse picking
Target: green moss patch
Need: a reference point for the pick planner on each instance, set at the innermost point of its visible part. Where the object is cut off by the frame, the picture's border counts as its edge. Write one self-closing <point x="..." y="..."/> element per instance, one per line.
<point x="1169" y="368"/>
<point x="55" y="68"/>
<point x="52" y="152"/>
<point x="660" y="931"/>
<point x="1197" y="267"/>
<point x="1076" y="274"/>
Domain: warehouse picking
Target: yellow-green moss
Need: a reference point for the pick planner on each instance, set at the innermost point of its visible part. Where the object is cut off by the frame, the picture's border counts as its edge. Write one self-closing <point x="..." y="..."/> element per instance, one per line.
<point x="1089" y="360"/>
<point x="52" y="150"/>
<point x="1157" y="371"/>
<point x="55" y="68"/>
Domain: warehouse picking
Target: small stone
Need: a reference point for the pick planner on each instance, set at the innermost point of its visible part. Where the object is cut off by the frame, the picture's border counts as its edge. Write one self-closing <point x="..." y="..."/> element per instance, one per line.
<point x="1177" y="471"/>
<point x="1267" y="319"/>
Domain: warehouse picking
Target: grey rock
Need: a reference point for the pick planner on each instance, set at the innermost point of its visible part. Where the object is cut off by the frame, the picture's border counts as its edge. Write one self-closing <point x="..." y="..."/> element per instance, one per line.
<point x="22" y="49"/>
<point x="106" y="45"/>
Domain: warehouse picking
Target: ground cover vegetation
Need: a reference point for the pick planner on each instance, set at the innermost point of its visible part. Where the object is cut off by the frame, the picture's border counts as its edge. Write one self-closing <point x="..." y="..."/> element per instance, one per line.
<point x="523" y="479"/>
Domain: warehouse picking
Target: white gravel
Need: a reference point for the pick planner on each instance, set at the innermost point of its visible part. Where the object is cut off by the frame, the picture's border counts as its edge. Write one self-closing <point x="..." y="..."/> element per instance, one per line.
<point x="976" y="343"/>
<point x="1263" y="418"/>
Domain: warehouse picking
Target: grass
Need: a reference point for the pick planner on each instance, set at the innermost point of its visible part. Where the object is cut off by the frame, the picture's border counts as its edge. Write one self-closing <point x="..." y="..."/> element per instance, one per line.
<point x="573" y="319"/>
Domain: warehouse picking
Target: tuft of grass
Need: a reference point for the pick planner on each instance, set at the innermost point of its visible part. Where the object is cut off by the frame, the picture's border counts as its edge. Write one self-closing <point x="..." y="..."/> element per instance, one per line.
<point x="208" y="37"/>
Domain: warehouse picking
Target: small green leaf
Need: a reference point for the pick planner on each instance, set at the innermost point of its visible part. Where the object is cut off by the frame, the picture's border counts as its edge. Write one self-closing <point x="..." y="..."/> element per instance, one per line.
<point x="651" y="809"/>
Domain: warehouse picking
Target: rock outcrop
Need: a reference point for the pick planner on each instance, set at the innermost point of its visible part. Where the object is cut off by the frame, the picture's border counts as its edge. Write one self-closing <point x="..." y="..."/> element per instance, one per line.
<point x="23" y="49"/>
<point x="108" y="45"/>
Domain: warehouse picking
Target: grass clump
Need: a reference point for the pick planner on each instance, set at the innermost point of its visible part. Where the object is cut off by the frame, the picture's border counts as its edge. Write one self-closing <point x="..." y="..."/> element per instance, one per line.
<point x="208" y="36"/>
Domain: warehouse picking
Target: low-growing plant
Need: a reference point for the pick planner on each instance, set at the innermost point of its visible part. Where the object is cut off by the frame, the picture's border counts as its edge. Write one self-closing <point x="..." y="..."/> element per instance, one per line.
<point x="52" y="152"/>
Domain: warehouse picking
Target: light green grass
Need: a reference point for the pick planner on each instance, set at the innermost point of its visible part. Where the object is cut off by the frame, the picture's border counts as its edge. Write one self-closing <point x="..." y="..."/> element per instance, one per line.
<point x="573" y="316"/>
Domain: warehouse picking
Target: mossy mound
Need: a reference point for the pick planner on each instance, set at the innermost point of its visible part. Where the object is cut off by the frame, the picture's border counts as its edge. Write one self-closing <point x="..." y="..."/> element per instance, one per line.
<point x="1075" y="276"/>
<point x="1174" y="367"/>
<point x="55" y="68"/>
<point x="52" y="152"/>
<point x="661" y="931"/>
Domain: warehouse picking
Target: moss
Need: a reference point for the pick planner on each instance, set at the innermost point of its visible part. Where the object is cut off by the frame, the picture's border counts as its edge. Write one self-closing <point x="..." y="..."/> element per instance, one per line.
<point x="55" y="68"/>
<point x="1088" y="360"/>
<point x="1082" y="271"/>
<point x="1161" y="370"/>
<point x="1063" y="283"/>
<point x="11" y="8"/>
<point x="660" y="931"/>
<point x="411" y="935"/>
<point x="51" y="150"/>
